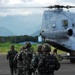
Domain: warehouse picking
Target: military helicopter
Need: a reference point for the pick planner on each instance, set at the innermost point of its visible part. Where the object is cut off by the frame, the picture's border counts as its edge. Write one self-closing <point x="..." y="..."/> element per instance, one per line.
<point x="58" y="29"/>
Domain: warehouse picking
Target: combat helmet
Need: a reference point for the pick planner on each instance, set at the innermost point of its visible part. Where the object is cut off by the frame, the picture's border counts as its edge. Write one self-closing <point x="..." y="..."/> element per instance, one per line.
<point x="39" y="47"/>
<point x="22" y="48"/>
<point x="27" y="45"/>
<point x="12" y="46"/>
<point x="46" y="48"/>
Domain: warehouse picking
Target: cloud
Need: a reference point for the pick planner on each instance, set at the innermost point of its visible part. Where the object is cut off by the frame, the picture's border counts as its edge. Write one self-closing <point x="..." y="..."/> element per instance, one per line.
<point x="42" y="2"/>
<point x="10" y="2"/>
<point x="33" y="2"/>
<point x="13" y="12"/>
<point x="28" y="3"/>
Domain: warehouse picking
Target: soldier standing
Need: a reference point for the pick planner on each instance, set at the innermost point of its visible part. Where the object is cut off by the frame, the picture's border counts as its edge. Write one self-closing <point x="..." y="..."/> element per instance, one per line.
<point x="35" y="59"/>
<point x="10" y="56"/>
<point x="48" y="63"/>
<point x="19" y="62"/>
<point x="25" y="57"/>
<point x="39" y="47"/>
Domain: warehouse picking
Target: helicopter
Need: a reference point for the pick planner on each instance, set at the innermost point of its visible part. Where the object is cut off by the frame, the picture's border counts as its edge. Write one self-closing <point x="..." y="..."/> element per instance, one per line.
<point x="58" y="29"/>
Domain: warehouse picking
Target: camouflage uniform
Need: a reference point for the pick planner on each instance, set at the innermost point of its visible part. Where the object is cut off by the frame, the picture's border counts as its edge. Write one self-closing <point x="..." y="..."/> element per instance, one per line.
<point x="35" y="59"/>
<point x="25" y="57"/>
<point x="10" y="56"/>
<point x="20" y="62"/>
<point x="19" y="65"/>
<point x="47" y="63"/>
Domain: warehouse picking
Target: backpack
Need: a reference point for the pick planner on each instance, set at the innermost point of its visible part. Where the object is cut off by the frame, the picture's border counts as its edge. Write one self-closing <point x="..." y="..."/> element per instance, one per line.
<point x="46" y="64"/>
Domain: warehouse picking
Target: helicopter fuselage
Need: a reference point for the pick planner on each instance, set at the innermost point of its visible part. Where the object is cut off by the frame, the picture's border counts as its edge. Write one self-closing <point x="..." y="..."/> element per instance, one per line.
<point x="58" y="28"/>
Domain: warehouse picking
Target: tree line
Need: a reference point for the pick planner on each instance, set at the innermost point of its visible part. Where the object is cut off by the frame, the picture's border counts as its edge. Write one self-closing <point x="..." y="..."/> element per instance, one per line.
<point x="18" y="39"/>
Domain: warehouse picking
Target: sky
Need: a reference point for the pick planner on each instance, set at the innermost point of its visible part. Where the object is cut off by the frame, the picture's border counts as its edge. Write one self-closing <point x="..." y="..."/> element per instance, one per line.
<point x="25" y="21"/>
<point x="29" y="3"/>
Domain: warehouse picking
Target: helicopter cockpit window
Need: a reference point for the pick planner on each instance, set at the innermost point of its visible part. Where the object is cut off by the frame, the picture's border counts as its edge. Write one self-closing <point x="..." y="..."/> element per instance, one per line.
<point x="65" y="22"/>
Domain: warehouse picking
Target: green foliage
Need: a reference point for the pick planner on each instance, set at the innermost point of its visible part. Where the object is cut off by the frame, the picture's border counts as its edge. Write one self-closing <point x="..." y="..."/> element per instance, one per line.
<point x="18" y="39"/>
<point x="5" y="47"/>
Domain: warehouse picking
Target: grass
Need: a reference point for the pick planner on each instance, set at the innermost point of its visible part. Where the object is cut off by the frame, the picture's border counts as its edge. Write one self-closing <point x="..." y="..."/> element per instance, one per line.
<point x="5" y="47"/>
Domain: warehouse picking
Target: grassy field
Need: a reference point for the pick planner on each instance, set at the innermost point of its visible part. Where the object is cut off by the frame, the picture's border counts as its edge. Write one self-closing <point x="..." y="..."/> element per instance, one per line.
<point x="5" y="47"/>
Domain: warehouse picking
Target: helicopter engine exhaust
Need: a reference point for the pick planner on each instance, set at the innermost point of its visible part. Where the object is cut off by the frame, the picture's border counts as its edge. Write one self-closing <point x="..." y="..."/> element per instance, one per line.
<point x="59" y="34"/>
<point x="70" y="32"/>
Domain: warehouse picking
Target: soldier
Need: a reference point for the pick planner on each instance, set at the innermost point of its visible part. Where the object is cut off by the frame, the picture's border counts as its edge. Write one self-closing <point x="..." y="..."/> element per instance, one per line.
<point x="48" y="63"/>
<point x="39" y="47"/>
<point x="25" y="57"/>
<point x="10" y="56"/>
<point x="19" y="62"/>
<point x="35" y="59"/>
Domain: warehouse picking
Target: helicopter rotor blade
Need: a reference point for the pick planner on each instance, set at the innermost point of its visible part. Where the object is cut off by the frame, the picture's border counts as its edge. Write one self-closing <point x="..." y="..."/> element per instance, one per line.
<point x="71" y="6"/>
<point x="20" y="7"/>
<point x="48" y="7"/>
<point x="60" y="6"/>
<point x="55" y="6"/>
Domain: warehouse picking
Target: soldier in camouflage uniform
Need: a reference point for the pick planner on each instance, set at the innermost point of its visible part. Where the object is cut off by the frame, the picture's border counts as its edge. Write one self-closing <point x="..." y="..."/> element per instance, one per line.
<point x="19" y="62"/>
<point x="10" y="56"/>
<point x="48" y="63"/>
<point x="39" y="47"/>
<point x="36" y="57"/>
<point x="25" y="57"/>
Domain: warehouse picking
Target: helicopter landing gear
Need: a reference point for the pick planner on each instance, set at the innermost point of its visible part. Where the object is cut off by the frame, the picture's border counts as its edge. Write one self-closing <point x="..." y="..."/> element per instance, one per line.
<point x="72" y="59"/>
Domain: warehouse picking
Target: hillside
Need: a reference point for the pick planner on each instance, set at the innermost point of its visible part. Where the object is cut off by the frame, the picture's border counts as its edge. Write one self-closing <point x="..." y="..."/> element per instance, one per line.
<point x="5" y="32"/>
